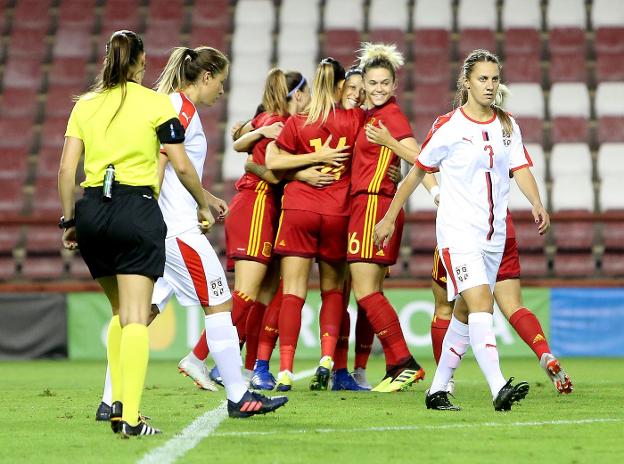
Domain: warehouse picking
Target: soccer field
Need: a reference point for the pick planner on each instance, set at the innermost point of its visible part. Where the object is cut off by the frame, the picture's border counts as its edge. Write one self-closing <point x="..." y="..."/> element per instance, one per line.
<point x="48" y="416"/>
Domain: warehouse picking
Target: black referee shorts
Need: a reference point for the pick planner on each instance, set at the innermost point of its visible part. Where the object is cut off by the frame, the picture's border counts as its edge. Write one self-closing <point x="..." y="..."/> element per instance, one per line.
<point x="123" y="236"/>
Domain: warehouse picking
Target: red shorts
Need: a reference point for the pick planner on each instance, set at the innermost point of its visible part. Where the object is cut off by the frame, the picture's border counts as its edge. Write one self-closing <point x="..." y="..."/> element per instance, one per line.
<point x="312" y="235"/>
<point x="250" y="227"/>
<point x="366" y="212"/>
<point x="509" y="266"/>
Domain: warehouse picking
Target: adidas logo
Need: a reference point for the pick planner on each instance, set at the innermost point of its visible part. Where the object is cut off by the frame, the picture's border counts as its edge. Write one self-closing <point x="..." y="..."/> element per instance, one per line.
<point x="282" y="243"/>
<point x="326" y="334"/>
<point x="380" y="253"/>
<point x="538" y="338"/>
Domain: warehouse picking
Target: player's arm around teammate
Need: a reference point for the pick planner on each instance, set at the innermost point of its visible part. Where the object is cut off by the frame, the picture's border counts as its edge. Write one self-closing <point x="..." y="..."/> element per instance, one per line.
<point x="119" y="125"/>
<point x="371" y="194"/>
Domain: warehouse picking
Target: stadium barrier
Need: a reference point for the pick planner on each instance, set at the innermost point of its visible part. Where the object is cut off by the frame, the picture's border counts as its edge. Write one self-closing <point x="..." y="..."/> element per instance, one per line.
<point x="577" y="321"/>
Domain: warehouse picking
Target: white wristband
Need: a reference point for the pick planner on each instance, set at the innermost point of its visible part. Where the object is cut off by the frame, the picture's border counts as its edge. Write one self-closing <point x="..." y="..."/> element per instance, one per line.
<point x="435" y="191"/>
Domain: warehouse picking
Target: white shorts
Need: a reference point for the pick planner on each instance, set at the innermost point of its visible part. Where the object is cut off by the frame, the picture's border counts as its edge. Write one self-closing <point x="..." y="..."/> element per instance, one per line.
<point x="192" y="271"/>
<point x="468" y="269"/>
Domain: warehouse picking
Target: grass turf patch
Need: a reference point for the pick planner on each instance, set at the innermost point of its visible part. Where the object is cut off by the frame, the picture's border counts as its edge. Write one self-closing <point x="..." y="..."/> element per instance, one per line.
<point x="49" y="406"/>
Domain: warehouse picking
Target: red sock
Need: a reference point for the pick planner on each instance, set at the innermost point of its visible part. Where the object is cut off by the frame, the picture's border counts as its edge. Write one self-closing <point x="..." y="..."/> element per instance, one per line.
<point x="252" y="333"/>
<point x="364" y="336"/>
<point x="530" y="330"/>
<point x="385" y="323"/>
<point x="241" y="304"/>
<point x="269" y="330"/>
<point x="438" y="331"/>
<point x="330" y="319"/>
<point x="342" y="346"/>
<point x="201" y="347"/>
<point x="289" y="327"/>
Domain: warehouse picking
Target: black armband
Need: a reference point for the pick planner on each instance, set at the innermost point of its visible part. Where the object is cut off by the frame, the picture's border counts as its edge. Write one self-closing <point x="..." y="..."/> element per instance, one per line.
<point x="171" y="131"/>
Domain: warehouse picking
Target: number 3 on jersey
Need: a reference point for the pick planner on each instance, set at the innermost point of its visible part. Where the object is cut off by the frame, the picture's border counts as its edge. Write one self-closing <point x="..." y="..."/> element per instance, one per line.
<point x="317" y="144"/>
<point x="490" y="153"/>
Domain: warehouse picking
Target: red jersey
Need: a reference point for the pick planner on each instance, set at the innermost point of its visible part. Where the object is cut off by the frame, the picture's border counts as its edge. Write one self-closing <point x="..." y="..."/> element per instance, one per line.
<point x="250" y="181"/>
<point x="299" y="138"/>
<point x="371" y="161"/>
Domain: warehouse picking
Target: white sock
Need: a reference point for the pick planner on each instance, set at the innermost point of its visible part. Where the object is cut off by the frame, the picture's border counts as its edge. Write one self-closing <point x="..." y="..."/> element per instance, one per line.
<point x="454" y="347"/>
<point x="222" y="340"/>
<point x="483" y="342"/>
<point x="194" y="359"/>
<point x="107" y="394"/>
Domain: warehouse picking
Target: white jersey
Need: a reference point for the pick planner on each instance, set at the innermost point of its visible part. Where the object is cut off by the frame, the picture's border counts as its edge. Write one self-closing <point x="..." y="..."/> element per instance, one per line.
<point x="178" y="206"/>
<point x="476" y="163"/>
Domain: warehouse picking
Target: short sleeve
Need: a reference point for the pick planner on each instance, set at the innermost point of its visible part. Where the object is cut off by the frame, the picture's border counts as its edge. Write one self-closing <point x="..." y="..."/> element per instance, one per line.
<point x="519" y="156"/>
<point x="163" y="109"/>
<point x="73" y="126"/>
<point x="287" y="140"/>
<point x="434" y="149"/>
<point x="398" y="125"/>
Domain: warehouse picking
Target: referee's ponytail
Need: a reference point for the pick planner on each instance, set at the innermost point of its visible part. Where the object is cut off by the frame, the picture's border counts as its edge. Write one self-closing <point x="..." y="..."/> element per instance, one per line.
<point x="123" y="51"/>
<point x="186" y="65"/>
<point x="329" y="74"/>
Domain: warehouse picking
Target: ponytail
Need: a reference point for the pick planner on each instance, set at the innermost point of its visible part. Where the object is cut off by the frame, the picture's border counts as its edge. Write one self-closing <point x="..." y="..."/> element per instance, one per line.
<point x="461" y="96"/>
<point x="329" y="74"/>
<point x="123" y="51"/>
<point x="186" y="65"/>
<point x="274" y="97"/>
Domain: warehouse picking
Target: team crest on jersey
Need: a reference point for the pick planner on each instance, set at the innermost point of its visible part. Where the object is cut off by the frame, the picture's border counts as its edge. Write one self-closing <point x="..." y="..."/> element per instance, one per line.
<point x="266" y="249"/>
<point x="371" y="121"/>
<point x="216" y="287"/>
<point x="462" y="273"/>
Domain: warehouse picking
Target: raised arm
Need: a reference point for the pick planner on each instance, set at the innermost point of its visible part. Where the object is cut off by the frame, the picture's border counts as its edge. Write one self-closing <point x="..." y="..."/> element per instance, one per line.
<point x="250" y="137"/>
<point x="406" y="149"/>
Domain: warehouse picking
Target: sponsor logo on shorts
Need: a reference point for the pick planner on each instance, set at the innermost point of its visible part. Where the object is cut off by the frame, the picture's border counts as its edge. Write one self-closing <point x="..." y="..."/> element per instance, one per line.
<point x="266" y="249"/>
<point x="462" y="273"/>
<point x="216" y="287"/>
<point x="282" y="243"/>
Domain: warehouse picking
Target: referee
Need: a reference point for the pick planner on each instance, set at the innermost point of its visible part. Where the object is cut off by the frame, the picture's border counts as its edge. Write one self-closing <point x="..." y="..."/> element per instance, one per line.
<point x="117" y="224"/>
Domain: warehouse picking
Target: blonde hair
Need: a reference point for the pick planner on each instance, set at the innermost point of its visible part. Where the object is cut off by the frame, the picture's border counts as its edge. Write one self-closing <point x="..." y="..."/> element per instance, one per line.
<point x="186" y="65"/>
<point x="275" y="92"/>
<point x="461" y="96"/>
<point x="379" y="55"/>
<point x="329" y="73"/>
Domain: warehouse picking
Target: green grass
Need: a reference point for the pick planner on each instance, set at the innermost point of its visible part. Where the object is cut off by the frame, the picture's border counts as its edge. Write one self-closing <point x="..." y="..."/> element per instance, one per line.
<point x="48" y="416"/>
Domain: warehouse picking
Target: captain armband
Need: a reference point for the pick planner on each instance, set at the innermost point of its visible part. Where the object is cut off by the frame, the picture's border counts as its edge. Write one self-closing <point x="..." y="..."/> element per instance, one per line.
<point x="170" y="131"/>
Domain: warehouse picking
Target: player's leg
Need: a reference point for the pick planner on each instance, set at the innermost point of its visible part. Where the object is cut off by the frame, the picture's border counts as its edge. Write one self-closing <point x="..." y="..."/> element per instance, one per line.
<point x="330" y="318"/>
<point x="255" y="317"/>
<point x="297" y="242"/>
<point x="269" y="333"/>
<point x="295" y="273"/>
<point x="525" y="323"/>
<point x="366" y="278"/>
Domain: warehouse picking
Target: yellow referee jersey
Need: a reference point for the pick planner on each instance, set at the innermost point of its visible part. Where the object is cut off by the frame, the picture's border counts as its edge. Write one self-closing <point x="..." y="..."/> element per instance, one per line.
<point x="129" y="142"/>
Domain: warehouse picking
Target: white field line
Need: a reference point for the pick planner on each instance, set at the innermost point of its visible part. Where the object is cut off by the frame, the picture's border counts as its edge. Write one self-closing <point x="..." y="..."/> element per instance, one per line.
<point x="401" y="428"/>
<point x="199" y="429"/>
